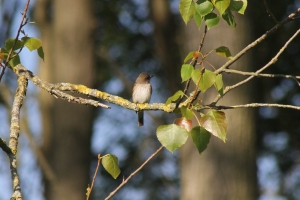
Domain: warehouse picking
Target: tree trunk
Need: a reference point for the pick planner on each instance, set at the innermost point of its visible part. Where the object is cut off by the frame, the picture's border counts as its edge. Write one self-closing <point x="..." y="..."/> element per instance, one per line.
<point x="67" y="36"/>
<point x="224" y="171"/>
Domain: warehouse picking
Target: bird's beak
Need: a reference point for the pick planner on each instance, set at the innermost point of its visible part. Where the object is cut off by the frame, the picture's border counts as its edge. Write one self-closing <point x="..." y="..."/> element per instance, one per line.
<point x="151" y="76"/>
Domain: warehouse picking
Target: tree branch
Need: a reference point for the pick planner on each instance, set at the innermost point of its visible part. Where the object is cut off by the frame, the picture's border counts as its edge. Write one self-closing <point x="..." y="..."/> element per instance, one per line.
<point x="257" y="41"/>
<point x="269" y="12"/>
<point x="132" y="174"/>
<point x="20" y="70"/>
<point x="57" y="90"/>
<point x="262" y="75"/>
<point x="250" y="105"/>
<point x="4" y="146"/>
<point x="14" y="135"/>
<point x="271" y="62"/>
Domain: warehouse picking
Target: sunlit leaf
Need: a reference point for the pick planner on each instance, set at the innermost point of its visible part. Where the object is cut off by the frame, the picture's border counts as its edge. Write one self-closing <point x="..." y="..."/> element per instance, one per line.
<point x="187" y="113"/>
<point x="207" y="80"/>
<point x="189" y="56"/>
<point x="211" y="20"/>
<point x="110" y="164"/>
<point x="224" y="52"/>
<point x="32" y="43"/>
<point x="219" y="84"/>
<point x="172" y="136"/>
<point x="186" y="71"/>
<point x="215" y="122"/>
<point x="200" y="138"/>
<point x="186" y="9"/>
<point x="178" y="94"/>
<point x="221" y="5"/>
<point x="204" y="7"/>
<point x="198" y="18"/>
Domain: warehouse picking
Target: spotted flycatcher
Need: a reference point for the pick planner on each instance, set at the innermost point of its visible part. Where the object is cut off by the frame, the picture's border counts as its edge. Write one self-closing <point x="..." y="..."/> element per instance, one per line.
<point x="141" y="93"/>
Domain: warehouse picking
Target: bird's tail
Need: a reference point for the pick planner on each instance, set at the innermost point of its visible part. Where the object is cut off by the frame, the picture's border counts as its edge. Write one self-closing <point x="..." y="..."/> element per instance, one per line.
<point x="141" y="118"/>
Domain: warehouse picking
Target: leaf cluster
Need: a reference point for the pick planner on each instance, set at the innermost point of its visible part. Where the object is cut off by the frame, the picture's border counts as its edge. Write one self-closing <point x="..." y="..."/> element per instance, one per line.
<point x="30" y="43"/>
<point x="205" y="10"/>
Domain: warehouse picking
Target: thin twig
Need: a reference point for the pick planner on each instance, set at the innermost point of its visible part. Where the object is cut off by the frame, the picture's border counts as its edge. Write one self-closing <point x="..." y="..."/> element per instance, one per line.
<point x="269" y="12"/>
<point x="262" y="75"/>
<point x="196" y="118"/>
<point x="271" y="62"/>
<point x="132" y="174"/>
<point x="94" y="178"/>
<point x="250" y="105"/>
<point x="22" y="23"/>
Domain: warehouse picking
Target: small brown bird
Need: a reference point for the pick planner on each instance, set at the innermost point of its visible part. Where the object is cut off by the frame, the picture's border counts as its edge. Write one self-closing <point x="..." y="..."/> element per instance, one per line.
<point x="141" y="93"/>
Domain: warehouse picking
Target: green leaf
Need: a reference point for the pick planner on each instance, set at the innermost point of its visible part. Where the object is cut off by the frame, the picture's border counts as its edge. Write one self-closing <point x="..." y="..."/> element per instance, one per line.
<point x="189" y="56"/>
<point x="229" y="18"/>
<point x="224" y="52"/>
<point x="204" y="7"/>
<point x="221" y="5"/>
<point x="15" y="61"/>
<point x="207" y="80"/>
<point x="110" y="164"/>
<point x="171" y="136"/>
<point x="40" y="52"/>
<point x="186" y="9"/>
<point x="10" y="42"/>
<point x="238" y="5"/>
<point x="196" y="75"/>
<point x="178" y="94"/>
<point x="187" y="113"/>
<point x="211" y="20"/>
<point x="200" y="138"/>
<point x="32" y="43"/>
<point x="186" y="72"/>
<point x="219" y="84"/>
<point x="215" y="122"/>
<point x="198" y="19"/>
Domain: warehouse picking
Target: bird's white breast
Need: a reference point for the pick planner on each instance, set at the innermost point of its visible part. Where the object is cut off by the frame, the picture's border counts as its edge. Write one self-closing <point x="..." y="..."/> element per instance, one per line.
<point x="142" y="93"/>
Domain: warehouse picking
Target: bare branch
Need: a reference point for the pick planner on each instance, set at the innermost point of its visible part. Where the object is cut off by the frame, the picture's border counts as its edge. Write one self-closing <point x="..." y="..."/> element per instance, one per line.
<point x="262" y="75"/>
<point x="14" y="135"/>
<point x="94" y="178"/>
<point x="250" y="105"/>
<point x="132" y="174"/>
<point x="20" y="70"/>
<point x="269" y="12"/>
<point x="271" y="62"/>
<point x="257" y="41"/>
